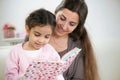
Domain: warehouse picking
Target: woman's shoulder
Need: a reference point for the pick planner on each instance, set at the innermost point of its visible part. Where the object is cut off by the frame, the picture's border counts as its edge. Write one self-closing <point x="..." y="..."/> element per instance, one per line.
<point x="72" y="43"/>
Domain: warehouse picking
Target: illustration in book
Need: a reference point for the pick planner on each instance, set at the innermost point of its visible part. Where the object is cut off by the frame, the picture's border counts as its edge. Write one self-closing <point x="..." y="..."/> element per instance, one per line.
<point x="49" y="70"/>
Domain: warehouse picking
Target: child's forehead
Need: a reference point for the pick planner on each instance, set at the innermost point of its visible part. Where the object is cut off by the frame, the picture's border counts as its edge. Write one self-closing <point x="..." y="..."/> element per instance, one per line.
<point x="43" y="26"/>
<point x="43" y="29"/>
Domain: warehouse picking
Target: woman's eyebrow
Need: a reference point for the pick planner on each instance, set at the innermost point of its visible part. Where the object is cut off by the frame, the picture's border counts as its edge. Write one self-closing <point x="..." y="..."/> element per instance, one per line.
<point x="71" y="21"/>
<point x="63" y="15"/>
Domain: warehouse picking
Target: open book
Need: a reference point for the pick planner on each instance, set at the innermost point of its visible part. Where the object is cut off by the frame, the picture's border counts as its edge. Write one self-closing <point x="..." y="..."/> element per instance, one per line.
<point x="49" y="70"/>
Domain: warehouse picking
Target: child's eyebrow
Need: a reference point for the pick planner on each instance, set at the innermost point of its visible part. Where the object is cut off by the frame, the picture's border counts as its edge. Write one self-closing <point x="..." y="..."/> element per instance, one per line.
<point x="36" y="32"/>
<point x="48" y="34"/>
<point x="40" y="33"/>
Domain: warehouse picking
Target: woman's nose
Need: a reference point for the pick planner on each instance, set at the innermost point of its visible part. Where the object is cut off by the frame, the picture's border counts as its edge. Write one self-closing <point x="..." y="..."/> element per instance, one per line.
<point x="64" y="26"/>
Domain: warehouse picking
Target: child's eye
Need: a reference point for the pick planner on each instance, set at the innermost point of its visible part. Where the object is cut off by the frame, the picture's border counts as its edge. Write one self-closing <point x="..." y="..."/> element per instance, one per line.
<point x="36" y="34"/>
<point x="47" y="36"/>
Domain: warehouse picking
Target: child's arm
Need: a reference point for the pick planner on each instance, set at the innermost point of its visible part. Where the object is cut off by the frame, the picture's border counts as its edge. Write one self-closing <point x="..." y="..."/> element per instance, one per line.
<point x="11" y="72"/>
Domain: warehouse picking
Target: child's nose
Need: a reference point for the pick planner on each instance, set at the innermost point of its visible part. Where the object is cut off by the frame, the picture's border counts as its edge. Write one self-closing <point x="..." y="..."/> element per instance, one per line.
<point x="41" y="39"/>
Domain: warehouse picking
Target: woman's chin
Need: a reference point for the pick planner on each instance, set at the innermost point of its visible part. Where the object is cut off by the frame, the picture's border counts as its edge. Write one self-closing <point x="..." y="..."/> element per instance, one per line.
<point x="59" y="33"/>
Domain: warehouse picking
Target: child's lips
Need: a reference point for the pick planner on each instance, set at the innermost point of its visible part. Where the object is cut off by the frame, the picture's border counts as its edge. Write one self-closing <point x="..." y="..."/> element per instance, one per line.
<point x="38" y="45"/>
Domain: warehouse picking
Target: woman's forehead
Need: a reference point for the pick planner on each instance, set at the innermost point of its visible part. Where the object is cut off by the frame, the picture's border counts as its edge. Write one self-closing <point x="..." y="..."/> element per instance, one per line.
<point x="68" y="14"/>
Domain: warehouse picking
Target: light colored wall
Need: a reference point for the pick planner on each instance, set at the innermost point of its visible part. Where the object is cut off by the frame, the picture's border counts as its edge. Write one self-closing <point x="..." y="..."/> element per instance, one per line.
<point x="16" y="11"/>
<point x="103" y="24"/>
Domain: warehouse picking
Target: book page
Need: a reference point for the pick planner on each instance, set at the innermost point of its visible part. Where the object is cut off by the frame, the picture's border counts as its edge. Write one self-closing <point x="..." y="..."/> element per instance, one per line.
<point x="47" y="70"/>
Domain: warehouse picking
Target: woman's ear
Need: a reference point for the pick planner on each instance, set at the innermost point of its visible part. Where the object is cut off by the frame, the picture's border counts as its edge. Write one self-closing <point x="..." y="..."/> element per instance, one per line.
<point x="27" y="30"/>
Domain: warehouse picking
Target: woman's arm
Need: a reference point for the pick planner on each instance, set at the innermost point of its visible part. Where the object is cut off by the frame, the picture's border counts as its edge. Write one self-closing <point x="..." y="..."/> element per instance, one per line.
<point x="76" y="70"/>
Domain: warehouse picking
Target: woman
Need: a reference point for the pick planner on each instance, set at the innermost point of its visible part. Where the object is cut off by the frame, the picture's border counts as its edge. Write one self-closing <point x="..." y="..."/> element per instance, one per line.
<point x="69" y="33"/>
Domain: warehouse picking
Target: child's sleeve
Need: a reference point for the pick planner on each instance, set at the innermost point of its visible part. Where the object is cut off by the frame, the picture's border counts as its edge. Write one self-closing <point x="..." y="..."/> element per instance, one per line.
<point x="12" y="69"/>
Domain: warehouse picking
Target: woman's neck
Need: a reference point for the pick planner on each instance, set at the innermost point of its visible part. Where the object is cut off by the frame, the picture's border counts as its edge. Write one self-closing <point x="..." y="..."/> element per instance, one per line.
<point x="60" y="37"/>
<point x="59" y="43"/>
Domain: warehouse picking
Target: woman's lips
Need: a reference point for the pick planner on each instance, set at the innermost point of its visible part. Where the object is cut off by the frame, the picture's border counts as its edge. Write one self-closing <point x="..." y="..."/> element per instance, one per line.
<point x="60" y="30"/>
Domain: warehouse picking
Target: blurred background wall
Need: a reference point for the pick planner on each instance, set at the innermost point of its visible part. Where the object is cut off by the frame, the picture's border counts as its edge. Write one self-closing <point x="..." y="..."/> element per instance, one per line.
<point x="103" y="23"/>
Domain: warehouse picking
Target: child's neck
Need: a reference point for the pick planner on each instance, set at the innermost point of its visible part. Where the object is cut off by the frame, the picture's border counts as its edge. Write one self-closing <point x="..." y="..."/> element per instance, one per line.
<point x="27" y="46"/>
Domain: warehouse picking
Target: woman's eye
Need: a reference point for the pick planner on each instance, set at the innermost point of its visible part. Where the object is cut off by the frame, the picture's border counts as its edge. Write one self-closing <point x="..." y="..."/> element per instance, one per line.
<point x="62" y="18"/>
<point x="72" y="23"/>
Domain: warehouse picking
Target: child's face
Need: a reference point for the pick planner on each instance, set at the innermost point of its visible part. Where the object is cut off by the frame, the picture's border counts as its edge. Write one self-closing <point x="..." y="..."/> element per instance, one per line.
<point x="39" y="36"/>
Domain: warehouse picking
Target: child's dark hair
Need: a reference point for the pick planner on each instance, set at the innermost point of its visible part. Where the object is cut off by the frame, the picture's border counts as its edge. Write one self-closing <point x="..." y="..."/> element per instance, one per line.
<point x="41" y="17"/>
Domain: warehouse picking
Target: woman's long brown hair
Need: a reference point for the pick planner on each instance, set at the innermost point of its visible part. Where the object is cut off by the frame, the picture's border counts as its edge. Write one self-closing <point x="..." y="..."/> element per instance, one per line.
<point x="80" y="34"/>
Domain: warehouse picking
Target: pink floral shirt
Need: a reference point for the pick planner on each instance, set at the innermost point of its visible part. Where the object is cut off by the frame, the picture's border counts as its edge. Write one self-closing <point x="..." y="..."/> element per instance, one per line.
<point x="18" y="61"/>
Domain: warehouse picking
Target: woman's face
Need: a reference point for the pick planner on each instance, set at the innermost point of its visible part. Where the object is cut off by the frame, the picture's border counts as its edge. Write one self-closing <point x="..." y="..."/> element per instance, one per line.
<point x="67" y="21"/>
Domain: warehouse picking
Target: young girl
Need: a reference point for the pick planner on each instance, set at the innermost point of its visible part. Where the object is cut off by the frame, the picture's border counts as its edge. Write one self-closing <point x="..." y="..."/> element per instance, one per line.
<point x="39" y="27"/>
